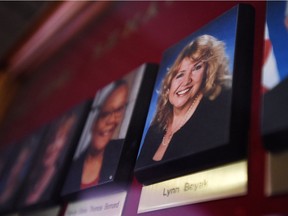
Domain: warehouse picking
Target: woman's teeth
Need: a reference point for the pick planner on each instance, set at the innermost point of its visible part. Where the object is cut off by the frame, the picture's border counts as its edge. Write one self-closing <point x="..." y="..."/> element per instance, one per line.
<point x="183" y="91"/>
<point x="107" y="132"/>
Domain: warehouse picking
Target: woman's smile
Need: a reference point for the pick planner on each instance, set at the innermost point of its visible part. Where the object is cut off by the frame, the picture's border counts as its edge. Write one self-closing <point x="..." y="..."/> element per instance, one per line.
<point x="110" y="116"/>
<point x="186" y="83"/>
<point x="107" y="132"/>
<point x="184" y="91"/>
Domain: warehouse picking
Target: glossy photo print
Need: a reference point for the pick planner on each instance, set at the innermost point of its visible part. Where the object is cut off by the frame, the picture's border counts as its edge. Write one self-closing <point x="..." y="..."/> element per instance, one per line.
<point x="275" y="78"/>
<point x="194" y="103"/>
<point x="45" y="178"/>
<point x="18" y="168"/>
<point x="100" y="149"/>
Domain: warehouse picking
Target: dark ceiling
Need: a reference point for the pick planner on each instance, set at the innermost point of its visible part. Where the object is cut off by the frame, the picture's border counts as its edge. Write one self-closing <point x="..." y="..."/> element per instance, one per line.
<point x="16" y="17"/>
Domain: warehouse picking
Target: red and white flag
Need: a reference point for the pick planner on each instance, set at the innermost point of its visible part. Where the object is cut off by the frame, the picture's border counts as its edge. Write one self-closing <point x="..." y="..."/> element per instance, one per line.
<point x="270" y="75"/>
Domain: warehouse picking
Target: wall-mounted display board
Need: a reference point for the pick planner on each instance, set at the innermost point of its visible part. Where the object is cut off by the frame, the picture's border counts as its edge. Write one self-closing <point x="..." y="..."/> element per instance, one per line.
<point x="108" y="146"/>
<point x="199" y="113"/>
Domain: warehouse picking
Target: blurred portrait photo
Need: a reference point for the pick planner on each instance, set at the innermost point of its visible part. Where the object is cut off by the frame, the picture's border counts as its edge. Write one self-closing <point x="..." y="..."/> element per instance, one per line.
<point x="97" y="155"/>
<point x="18" y="168"/>
<point x="44" y="174"/>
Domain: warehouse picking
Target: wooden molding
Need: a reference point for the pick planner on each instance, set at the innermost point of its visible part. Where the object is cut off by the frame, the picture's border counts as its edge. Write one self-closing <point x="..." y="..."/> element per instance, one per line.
<point x="69" y="18"/>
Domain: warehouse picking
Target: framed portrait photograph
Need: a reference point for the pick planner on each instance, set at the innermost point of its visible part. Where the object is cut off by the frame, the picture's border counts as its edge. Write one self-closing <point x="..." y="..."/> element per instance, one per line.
<point x="199" y="112"/>
<point x="46" y="177"/>
<point x="108" y="146"/>
<point x="275" y="78"/>
<point x="17" y="168"/>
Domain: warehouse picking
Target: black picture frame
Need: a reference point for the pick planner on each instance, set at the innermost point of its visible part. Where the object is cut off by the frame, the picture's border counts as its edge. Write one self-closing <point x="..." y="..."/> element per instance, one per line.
<point x="17" y="167"/>
<point x="224" y="136"/>
<point x="275" y="79"/>
<point x="120" y="149"/>
<point x="6" y="153"/>
<point x="43" y="184"/>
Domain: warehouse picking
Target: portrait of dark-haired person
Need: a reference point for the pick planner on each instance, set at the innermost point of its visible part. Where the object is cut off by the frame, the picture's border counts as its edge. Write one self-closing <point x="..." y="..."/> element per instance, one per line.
<point x="98" y="161"/>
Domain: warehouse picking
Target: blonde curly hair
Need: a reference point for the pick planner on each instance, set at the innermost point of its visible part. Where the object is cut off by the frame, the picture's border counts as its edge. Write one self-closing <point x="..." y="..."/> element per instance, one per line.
<point x="211" y="52"/>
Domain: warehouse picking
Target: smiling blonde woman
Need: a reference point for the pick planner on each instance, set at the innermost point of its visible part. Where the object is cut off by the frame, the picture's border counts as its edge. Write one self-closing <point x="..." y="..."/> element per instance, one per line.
<point x="193" y="105"/>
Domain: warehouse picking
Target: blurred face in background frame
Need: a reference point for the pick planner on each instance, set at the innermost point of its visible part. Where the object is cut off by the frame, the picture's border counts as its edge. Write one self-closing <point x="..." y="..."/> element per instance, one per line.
<point x="55" y="148"/>
<point x="110" y="115"/>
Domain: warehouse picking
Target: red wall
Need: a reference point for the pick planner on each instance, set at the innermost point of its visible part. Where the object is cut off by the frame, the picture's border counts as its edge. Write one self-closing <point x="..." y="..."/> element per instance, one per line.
<point x="127" y="35"/>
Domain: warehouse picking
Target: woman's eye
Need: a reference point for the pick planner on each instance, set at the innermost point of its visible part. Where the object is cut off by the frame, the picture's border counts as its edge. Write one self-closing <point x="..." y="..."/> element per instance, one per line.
<point x="179" y="76"/>
<point x="198" y="67"/>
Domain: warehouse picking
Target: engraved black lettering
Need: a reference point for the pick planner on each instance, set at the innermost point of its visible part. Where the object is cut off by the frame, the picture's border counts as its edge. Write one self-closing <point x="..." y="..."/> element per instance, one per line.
<point x="168" y="192"/>
<point x="195" y="186"/>
<point x="111" y="205"/>
<point x="82" y="211"/>
<point x="96" y="208"/>
<point x="164" y="192"/>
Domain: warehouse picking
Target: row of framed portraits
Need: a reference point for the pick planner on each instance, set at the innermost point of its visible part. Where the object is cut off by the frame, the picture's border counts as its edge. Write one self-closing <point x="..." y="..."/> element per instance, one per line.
<point x="158" y="122"/>
<point x="86" y="148"/>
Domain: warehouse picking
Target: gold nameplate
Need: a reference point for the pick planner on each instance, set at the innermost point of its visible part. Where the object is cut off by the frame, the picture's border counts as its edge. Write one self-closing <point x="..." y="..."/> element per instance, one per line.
<point x="276" y="173"/>
<point x="221" y="182"/>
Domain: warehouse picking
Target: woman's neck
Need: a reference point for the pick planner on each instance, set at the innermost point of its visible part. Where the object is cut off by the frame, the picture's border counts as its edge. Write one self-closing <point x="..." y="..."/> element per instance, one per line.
<point x="95" y="155"/>
<point x="91" y="168"/>
<point x="181" y="116"/>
